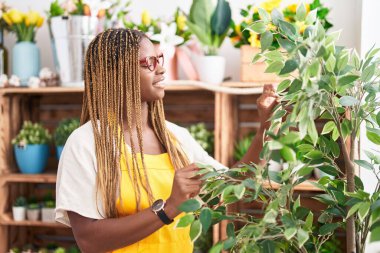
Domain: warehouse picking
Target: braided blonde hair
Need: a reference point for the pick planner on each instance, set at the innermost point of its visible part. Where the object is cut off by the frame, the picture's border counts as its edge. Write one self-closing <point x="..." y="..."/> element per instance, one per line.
<point x="112" y="84"/>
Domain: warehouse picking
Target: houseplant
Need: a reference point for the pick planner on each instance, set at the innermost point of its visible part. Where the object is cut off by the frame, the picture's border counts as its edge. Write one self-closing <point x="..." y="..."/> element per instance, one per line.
<point x="62" y="133"/>
<point x="48" y="211"/>
<point x="33" y="211"/>
<point x="19" y="209"/>
<point x="203" y="136"/>
<point x="25" y="54"/>
<point x="322" y="81"/>
<point x="210" y="24"/>
<point x="31" y="148"/>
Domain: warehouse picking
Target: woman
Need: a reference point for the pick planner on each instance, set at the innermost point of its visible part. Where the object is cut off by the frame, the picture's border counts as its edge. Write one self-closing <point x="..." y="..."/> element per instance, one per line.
<point x="124" y="172"/>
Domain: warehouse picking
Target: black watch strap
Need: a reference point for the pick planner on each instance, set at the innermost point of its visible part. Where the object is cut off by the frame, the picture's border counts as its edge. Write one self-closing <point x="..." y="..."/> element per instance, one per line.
<point x="164" y="218"/>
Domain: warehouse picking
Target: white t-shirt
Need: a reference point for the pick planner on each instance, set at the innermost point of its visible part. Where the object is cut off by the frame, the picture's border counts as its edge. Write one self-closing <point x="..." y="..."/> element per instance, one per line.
<point x="76" y="177"/>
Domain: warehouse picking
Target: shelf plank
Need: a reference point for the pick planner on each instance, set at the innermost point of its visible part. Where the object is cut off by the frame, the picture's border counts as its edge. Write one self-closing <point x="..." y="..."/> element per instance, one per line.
<point x="304" y="186"/>
<point x="51" y="178"/>
<point x="176" y="85"/>
<point x="48" y="178"/>
<point x="7" y="220"/>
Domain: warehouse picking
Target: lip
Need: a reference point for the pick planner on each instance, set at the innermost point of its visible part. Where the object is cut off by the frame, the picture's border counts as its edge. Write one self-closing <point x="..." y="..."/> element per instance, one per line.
<point x="159" y="80"/>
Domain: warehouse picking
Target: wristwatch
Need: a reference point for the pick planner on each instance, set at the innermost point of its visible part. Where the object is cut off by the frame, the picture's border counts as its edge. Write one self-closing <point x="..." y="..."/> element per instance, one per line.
<point x="158" y="208"/>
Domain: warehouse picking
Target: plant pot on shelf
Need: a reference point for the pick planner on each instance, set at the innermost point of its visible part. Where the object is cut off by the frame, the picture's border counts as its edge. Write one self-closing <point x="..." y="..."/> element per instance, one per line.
<point x="19" y="213"/>
<point x="33" y="212"/>
<point x="31" y="159"/>
<point x="58" y="150"/>
<point x="254" y="72"/>
<point x="26" y="61"/>
<point x="48" y="214"/>
<point x="210" y="69"/>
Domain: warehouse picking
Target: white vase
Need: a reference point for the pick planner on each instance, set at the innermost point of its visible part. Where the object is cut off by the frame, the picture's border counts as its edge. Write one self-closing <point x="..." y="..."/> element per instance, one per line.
<point x="19" y="213"/>
<point x="210" y="69"/>
<point x="33" y="214"/>
<point x="48" y="214"/>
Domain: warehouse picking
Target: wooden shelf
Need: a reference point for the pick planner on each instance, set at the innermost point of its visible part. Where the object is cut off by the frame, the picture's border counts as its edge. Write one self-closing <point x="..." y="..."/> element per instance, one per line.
<point x="48" y="178"/>
<point x="7" y="220"/>
<point x="177" y="85"/>
<point x="304" y="186"/>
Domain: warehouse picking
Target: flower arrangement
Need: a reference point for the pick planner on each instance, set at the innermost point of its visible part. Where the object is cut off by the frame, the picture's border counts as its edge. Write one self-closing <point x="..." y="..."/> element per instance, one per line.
<point x="79" y="7"/>
<point x="32" y="133"/>
<point x="23" y="24"/>
<point x="3" y="9"/>
<point x="147" y="24"/>
<point x="241" y="35"/>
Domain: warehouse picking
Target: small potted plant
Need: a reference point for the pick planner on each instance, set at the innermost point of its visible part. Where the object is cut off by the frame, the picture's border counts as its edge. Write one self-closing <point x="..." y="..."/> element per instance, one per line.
<point x="19" y="209"/>
<point x="203" y="136"/>
<point x="211" y="31"/>
<point x="48" y="210"/>
<point x="31" y="147"/>
<point x="33" y="211"/>
<point x="62" y="133"/>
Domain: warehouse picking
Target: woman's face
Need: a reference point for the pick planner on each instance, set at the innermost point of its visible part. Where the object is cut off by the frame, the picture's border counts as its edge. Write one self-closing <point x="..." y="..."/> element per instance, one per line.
<point x="150" y="87"/>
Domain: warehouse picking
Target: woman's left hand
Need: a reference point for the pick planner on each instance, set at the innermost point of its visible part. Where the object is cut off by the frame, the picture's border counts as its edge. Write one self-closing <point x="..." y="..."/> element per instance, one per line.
<point x="265" y="104"/>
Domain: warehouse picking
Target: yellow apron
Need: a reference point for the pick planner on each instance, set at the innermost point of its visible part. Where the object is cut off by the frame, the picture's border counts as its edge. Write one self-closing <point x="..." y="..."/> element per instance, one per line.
<point x="167" y="239"/>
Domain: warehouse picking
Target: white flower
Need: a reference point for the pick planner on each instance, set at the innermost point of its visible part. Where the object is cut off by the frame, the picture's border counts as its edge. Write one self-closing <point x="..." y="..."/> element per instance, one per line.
<point x="3" y="80"/>
<point x="34" y="82"/>
<point x="69" y="6"/>
<point x="167" y="35"/>
<point x="46" y="73"/>
<point x="14" y="81"/>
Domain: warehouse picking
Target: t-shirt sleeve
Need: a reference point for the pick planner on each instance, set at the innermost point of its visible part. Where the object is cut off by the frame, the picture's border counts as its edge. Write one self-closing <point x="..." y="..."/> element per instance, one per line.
<point x="200" y="155"/>
<point x="76" y="179"/>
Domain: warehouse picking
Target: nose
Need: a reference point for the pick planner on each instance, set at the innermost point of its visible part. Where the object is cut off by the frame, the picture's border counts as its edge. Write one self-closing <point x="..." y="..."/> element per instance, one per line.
<point x="160" y="70"/>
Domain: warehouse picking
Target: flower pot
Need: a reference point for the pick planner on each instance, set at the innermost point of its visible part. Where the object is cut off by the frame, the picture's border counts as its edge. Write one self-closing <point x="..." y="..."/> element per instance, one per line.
<point x="26" y="61"/>
<point x="170" y="61"/>
<point x="19" y="213"/>
<point x="70" y="37"/>
<point x="58" y="151"/>
<point x="48" y="214"/>
<point x="31" y="159"/>
<point x="319" y="174"/>
<point x="210" y="69"/>
<point x="33" y="214"/>
<point x="254" y="72"/>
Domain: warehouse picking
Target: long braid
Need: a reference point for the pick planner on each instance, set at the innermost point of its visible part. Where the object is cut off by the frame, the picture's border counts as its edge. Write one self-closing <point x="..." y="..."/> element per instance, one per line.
<point x="112" y="95"/>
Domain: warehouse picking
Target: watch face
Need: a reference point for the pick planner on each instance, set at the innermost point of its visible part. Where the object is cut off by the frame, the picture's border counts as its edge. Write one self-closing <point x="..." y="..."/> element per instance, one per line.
<point x="158" y="205"/>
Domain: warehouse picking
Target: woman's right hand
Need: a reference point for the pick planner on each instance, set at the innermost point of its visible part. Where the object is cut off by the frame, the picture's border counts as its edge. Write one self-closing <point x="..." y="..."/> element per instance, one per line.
<point x="186" y="185"/>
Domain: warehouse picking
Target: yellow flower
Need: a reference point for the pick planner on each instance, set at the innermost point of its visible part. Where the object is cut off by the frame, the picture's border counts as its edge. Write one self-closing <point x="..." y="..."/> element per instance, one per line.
<point x="33" y="17"/>
<point x="15" y="16"/>
<point x="145" y="18"/>
<point x="238" y="29"/>
<point x="307" y="8"/>
<point x="271" y="27"/>
<point x="181" y="22"/>
<point x="254" y="40"/>
<point x="235" y="39"/>
<point x="40" y="21"/>
<point x="270" y="5"/>
<point x="302" y="26"/>
<point x="7" y="19"/>
<point x="293" y="8"/>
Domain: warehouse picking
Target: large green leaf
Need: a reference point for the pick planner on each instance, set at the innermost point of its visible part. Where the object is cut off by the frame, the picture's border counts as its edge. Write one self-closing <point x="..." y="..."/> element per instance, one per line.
<point x="266" y="40"/>
<point x="348" y="101"/>
<point x="257" y="27"/>
<point x="185" y="221"/>
<point x="288" y="29"/>
<point x="205" y="219"/>
<point x="276" y="17"/>
<point x="200" y="15"/>
<point x="195" y="230"/>
<point x="290" y="66"/>
<point x="202" y="35"/>
<point x="221" y="18"/>
<point x="190" y="205"/>
<point x="328" y="228"/>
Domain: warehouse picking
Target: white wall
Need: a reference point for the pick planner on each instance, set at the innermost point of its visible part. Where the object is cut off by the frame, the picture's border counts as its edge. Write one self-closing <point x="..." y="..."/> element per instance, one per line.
<point x="344" y="15"/>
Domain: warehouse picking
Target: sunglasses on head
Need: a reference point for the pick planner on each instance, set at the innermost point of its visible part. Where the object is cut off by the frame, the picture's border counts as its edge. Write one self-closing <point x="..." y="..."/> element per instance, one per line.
<point x="151" y="62"/>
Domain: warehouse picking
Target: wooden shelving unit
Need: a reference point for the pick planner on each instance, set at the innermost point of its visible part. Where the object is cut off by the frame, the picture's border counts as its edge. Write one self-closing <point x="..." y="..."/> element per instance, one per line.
<point x="186" y="102"/>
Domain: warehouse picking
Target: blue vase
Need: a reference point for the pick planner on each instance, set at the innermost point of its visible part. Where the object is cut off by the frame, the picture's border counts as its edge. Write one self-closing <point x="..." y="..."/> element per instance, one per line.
<point x="32" y="159"/>
<point x="26" y="61"/>
<point x="59" y="151"/>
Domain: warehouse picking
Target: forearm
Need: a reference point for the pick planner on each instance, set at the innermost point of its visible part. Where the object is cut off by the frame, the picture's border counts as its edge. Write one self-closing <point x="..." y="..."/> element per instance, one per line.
<point x="111" y="234"/>
<point x="253" y="153"/>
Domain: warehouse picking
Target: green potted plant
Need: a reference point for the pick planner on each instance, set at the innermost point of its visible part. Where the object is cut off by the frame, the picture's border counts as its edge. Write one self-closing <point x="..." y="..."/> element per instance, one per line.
<point x="210" y="24"/>
<point x="19" y="209"/>
<point x="203" y="136"/>
<point x="321" y="81"/>
<point x="33" y="212"/>
<point x="62" y="133"/>
<point x="48" y="208"/>
<point x="31" y="148"/>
